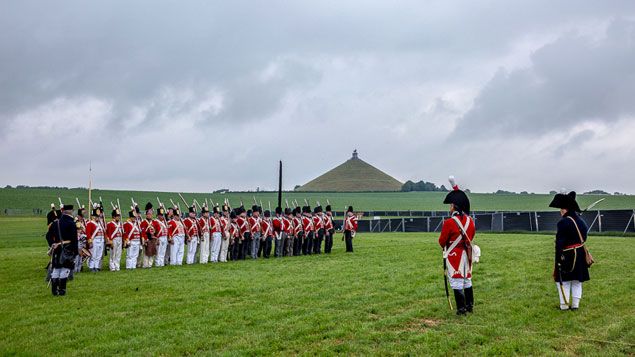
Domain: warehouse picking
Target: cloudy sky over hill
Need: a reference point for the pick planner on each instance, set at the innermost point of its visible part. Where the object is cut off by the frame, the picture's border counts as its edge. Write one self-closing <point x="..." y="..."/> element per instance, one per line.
<point x="199" y="95"/>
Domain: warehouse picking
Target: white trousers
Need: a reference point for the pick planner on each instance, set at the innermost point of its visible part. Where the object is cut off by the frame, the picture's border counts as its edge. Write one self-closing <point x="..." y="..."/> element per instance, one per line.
<point x="191" y="250"/>
<point x="460" y="283"/>
<point x="147" y="261"/>
<point x="571" y="289"/>
<point x="176" y="250"/>
<point x="215" y="246"/>
<point x="224" y="247"/>
<point x="60" y="273"/>
<point x="115" y="254"/>
<point x="161" y="250"/>
<point x="132" y="254"/>
<point x="97" y="252"/>
<point x="204" y="256"/>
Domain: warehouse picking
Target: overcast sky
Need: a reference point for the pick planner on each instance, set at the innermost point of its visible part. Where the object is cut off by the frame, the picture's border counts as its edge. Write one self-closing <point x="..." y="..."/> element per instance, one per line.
<point x="201" y="95"/>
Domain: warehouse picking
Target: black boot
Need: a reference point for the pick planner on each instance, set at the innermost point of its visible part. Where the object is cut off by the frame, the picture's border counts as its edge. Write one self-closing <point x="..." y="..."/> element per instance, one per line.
<point x="54" y="286"/>
<point x="469" y="299"/>
<point x="62" y="289"/>
<point x="460" y="302"/>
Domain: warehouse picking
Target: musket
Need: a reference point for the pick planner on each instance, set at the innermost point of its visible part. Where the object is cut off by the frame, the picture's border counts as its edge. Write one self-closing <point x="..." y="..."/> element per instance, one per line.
<point x="61" y="204"/>
<point x="269" y="206"/>
<point x="119" y="205"/>
<point x="79" y="206"/>
<point x="445" y="280"/>
<point x="564" y="297"/>
<point x="159" y="202"/>
<point x="206" y="204"/>
<point x="327" y="202"/>
<point x="594" y="204"/>
<point x="113" y="205"/>
<point x="306" y="202"/>
<point x="197" y="204"/>
<point x="286" y="203"/>
<point x="261" y="205"/>
<point x="172" y="202"/>
<point x="255" y="202"/>
<point x="184" y="201"/>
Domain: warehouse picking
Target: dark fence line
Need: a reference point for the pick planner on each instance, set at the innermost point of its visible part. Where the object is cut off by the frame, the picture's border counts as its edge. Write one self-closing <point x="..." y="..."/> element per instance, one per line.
<point x="598" y="221"/>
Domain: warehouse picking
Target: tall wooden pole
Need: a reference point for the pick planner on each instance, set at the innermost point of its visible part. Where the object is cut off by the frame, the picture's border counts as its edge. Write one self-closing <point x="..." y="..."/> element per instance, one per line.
<point x="280" y="185"/>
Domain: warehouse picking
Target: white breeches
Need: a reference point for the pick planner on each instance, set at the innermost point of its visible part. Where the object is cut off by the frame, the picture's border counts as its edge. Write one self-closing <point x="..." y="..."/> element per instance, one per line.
<point x="132" y="254"/>
<point x="460" y="283"/>
<point x="60" y="273"/>
<point x="224" y="247"/>
<point x="215" y="246"/>
<point x="161" y="250"/>
<point x="96" y="252"/>
<point x="148" y="261"/>
<point x="572" y="294"/>
<point x="115" y="255"/>
<point x="204" y="256"/>
<point x="191" y="250"/>
<point x="176" y="250"/>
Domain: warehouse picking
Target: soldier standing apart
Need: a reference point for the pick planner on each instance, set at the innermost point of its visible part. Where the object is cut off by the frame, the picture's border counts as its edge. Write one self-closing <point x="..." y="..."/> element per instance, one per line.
<point x="298" y="233"/>
<point x="203" y="223"/>
<point x="455" y="239"/>
<point x="80" y="222"/>
<point x="95" y="233"/>
<point x="114" y="235"/>
<point x="62" y="240"/>
<point x="256" y="233"/>
<point x="161" y="231"/>
<point x="329" y="230"/>
<point x="350" y="228"/>
<point x="266" y="227"/>
<point x="191" y="235"/>
<point x="224" y="230"/>
<point x="571" y="268"/>
<point x="132" y="240"/>
<point x="176" y="238"/>
<point x="149" y="238"/>
<point x="287" y="230"/>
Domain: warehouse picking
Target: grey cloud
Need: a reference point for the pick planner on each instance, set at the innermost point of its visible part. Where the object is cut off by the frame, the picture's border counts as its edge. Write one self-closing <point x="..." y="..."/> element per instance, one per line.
<point x="572" y="80"/>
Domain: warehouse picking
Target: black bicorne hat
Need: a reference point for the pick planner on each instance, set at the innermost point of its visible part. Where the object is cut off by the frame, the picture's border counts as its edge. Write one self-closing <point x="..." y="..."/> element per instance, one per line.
<point x="566" y="201"/>
<point x="458" y="198"/>
<point x="51" y="216"/>
<point x="68" y="207"/>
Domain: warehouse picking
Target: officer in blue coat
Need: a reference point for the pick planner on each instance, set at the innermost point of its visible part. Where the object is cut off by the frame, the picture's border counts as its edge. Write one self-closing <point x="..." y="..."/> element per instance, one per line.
<point x="62" y="240"/>
<point x="570" y="269"/>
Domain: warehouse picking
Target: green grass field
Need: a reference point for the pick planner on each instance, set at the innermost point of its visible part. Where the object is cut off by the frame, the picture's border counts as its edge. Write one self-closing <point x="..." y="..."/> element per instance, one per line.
<point x="387" y="298"/>
<point x="28" y="199"/>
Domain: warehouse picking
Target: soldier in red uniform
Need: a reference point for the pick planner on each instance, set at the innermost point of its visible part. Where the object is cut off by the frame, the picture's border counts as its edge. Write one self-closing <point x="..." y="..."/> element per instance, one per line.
<point x="288" y="230"/>
<point x="95" y="233"/>
<point x="307" y="228"/>
<point x="203" y="223"/>
<point x="80" y="222"/>
<point x="114" y="236"/>
<point x="266" y="227"/>
<point x="329" y="230"/>
<point x="244" y="232"/>
<point x="132" y="240"/>
<point x="298" y="233"/>
<point x="455" y="239"/>
<point x="149" y="238"/>
<point x="255" y="230"/>
<point x="176" y="238"/>
<point x="350" y="228"/>
<point x="278" y="233"/>
<point x="161" y="232"/>
<point x="225" y="234"/>
<point x="235" y="236"/>
<point x="318" y="227"/>
<point x="191" y="235"/>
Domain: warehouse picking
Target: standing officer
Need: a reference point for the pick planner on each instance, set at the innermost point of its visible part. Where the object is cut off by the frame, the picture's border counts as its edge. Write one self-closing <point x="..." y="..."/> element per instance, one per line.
<point x="455" y="239"/>
<point x="571" y="268"/>
<point x="62" y="240"/>
<point x="350" y="228"/>
<point x="114" y="234"/>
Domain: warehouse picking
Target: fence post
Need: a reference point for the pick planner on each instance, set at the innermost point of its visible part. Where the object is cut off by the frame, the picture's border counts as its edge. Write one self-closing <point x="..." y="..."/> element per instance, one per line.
<point x="629" y="223"/>
<point x="600" y="221"/>
<point x="536" y="217"/>
<point x="403" y="224"/>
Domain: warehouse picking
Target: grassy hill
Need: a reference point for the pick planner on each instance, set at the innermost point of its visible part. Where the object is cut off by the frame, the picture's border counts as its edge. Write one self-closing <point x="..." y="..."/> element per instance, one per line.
<point x="387" y="298"/>
<point x="24" y="201"/>
<point x="354" y="175"/>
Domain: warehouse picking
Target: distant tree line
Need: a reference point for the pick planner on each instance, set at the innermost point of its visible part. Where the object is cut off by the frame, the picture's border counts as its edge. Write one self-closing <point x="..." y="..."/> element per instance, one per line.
<point x="410" y="186"/>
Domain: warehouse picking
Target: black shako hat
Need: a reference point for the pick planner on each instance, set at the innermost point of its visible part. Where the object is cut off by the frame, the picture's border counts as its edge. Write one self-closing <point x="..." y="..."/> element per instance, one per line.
<point x="287" y="211"/>
<point x="350" y="209"/>
<point x="115" y="213"/>
<point x="279" y="210"/>
<point x="233" y="215"/>
<point x="306" y="209"/>
<point x="458" y="198"/>
<point x="267" y="213"/>
<point x="566" y="201"/>
<point x="131" y="214"/>
<point x="328" y="208"/>
<point x="192" y="209"/>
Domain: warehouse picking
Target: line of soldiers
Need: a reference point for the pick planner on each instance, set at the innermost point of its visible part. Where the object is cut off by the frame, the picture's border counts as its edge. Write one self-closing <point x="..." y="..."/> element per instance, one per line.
<point x="217" y="236"/>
